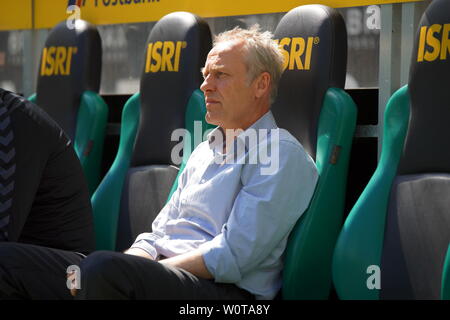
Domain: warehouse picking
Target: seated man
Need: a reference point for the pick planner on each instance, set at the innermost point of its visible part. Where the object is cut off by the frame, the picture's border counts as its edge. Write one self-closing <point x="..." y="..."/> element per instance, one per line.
<point x="223" y="233"/>
<point x="44" y="198"/>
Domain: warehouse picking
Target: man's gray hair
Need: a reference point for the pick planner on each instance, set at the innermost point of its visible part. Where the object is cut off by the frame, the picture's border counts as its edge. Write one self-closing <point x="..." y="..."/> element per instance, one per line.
<point x="263" y="53"/>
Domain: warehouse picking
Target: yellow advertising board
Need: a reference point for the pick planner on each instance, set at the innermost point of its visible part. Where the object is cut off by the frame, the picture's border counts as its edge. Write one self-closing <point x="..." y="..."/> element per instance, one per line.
<point x="50" y="12"/>
<point x="18" y="14"/>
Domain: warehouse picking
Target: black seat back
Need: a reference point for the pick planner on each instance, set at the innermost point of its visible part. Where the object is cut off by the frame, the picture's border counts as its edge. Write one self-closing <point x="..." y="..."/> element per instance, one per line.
<point x="176" y="51"/>
<point x="417" y="230"/>
<point x="314" y="61"/>
<point x="70" y="64"/>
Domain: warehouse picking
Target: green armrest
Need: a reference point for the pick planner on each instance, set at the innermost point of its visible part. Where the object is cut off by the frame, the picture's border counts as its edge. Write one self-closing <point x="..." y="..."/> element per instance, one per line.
<point x="359" y="245"/>
<point x="106" y="199"/>
<point x="90" y="136"/>
<point x="307" y="270"/>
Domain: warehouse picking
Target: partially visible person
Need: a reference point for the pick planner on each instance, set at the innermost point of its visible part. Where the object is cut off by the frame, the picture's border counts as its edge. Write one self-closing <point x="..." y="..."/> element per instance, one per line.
<point x="44" y="198"/>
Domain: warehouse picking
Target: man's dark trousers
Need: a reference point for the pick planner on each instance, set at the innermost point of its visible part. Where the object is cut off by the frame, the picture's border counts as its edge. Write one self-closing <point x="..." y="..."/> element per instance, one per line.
<point x="33" y="272"/>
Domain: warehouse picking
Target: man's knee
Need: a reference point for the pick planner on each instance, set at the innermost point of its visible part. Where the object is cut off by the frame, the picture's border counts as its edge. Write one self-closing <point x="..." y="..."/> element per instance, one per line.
<point x="98" y="266"/>
<point x="106" y="274"/>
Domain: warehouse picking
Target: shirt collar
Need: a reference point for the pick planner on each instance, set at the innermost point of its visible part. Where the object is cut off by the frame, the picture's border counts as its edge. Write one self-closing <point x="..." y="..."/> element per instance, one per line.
<point x="267" y="121"/>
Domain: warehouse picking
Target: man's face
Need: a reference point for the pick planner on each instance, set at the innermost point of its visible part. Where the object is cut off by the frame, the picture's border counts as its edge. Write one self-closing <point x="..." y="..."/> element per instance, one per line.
<point x="229" y="96"/>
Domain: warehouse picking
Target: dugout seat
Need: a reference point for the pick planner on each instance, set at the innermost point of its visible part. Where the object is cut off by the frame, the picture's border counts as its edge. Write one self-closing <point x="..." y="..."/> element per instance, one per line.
<point x="313" y="106"/>
<point x="67" y="89"/>
<point x="399" y="229"/>
<point x="140" y="180"/>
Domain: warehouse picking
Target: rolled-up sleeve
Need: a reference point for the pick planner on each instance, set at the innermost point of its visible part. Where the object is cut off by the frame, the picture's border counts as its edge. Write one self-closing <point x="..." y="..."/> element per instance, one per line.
<point x="264" y="212"/>
<point x="145" y="241"/>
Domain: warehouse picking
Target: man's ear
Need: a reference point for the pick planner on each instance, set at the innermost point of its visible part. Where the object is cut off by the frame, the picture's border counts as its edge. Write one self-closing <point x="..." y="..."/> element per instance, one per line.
<point x="262" y="84"/>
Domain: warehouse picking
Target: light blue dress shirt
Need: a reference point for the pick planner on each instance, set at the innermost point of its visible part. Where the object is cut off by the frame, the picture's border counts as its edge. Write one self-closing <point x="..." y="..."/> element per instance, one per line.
<point x="237" y="210"/>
